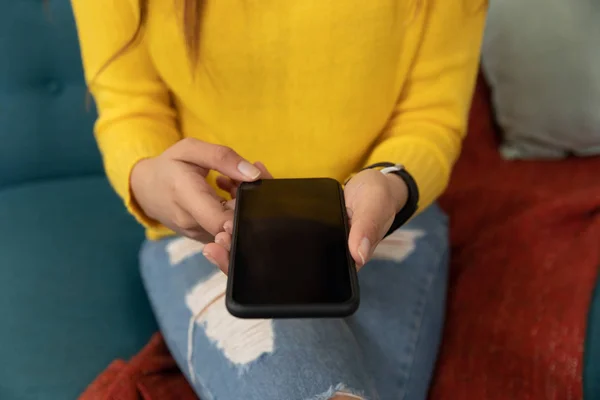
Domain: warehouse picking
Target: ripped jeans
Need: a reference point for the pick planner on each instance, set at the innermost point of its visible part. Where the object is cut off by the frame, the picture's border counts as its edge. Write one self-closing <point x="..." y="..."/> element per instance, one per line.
<point x="387" y="350"/>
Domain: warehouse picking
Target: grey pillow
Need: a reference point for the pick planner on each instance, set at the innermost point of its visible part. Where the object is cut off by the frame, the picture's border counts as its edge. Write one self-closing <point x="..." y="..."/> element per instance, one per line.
<point x="542" y="61"/>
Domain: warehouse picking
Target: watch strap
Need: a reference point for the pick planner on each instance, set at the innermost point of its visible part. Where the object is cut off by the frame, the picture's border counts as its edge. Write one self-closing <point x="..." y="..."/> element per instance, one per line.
<point x="412" y="203"/>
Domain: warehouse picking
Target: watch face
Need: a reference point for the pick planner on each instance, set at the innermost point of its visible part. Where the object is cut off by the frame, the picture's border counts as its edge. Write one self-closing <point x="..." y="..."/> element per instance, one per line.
<point x="392" y="169"/>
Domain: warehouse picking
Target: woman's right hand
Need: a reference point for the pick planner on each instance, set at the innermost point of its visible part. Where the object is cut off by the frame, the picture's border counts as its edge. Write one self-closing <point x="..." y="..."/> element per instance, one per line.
<point x="172" y="189"/>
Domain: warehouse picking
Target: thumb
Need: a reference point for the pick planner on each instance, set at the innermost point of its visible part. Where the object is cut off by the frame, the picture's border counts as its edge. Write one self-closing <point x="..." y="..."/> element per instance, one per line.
<point x="370" y="221"/>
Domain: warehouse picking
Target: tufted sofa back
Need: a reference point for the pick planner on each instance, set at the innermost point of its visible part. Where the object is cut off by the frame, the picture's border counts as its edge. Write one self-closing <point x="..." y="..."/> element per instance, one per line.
<point x="45" y="129"/>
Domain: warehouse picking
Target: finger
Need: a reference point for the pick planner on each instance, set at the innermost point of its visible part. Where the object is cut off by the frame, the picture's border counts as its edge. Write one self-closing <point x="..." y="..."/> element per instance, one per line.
<point x="219" y="158"/>
<point x="349" y="214"/>
<point x="223" y="239"/>
<point x="224" y="183"/>
<point x="202" y="203"/>
<point x="217" y="255"/>
<point x="184" y="224"/>
<point x="234" y="188"/>
<point x="227" y="185"/>
<point x="198" y="234"/>
<point x="228" y="226"/>
<point x="371" y="218"/>
<point x="230" y="204"/>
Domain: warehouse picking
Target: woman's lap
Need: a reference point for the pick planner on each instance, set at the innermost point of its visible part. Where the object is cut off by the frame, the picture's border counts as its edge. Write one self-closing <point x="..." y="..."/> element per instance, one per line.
<point x="386" y="350"/>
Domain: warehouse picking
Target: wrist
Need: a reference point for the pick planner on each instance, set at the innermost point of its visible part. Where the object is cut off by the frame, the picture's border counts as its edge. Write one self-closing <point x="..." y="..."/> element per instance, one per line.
<point x="398" y="189"/>
<point x="139" y="178"/>
<point x="139" y="173"/>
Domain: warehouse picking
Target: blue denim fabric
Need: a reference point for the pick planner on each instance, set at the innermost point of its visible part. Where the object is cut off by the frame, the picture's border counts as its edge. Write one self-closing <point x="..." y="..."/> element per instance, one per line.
<point x="387" y="350"/>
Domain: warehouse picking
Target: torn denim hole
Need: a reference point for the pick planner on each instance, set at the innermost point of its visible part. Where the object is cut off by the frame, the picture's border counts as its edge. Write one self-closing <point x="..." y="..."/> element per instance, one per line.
<point x="339" y="390"/>
<point x="240" y="340"/>
<point x="399" y="245"/>
<point x="181" y="248"/>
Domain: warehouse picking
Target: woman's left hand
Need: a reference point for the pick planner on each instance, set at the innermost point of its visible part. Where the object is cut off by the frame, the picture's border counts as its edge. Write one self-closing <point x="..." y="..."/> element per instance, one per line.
<point x="373" y="200"/>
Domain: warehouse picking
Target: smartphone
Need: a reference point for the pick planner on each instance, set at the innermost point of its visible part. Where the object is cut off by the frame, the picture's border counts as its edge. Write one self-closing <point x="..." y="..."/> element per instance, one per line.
<point x="289" y="252"/>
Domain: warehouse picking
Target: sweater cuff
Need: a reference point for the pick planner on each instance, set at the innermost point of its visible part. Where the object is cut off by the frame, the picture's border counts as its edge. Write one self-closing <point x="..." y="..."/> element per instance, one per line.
<point x="119" y="162"/>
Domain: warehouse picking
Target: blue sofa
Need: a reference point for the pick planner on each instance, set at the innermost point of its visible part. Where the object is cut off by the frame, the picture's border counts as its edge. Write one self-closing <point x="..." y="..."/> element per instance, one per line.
<point x="71" y="299"/>
<point x="591" y="364"/>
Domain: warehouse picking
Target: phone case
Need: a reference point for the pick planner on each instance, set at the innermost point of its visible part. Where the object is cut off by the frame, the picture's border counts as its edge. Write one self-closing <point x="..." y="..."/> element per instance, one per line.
<point x="326" y="310"/>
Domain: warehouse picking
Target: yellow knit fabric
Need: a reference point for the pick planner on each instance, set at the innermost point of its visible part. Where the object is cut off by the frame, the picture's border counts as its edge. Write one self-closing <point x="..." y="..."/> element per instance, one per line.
<point x="310" y="88"/>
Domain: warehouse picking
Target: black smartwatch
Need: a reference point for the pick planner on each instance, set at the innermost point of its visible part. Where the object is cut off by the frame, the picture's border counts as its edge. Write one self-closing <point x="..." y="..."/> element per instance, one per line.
<point x="412" y="203"/>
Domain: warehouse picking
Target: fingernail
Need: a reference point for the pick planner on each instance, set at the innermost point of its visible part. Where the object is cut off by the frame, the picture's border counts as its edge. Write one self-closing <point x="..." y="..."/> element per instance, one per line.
<point x="222" y="243"/>
<point x="364" y="250"/>
<point x="225" y="245"/>
<point x="228" y="227"/>
<point x="209" y="258"/>
<point x="248" y="170"/>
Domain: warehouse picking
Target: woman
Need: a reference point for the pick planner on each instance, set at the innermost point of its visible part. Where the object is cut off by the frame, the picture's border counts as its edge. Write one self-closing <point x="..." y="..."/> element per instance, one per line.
<point x="191" y="94"/>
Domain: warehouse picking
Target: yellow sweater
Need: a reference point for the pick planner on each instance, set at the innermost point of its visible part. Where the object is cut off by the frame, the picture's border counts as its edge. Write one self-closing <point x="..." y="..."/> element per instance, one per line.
<point x="310" y="88"/>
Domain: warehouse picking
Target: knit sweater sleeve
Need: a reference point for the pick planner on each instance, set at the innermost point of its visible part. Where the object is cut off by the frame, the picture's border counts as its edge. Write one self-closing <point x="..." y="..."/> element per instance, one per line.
<point x="136" y="119"/>
<point x="429" y="122"/>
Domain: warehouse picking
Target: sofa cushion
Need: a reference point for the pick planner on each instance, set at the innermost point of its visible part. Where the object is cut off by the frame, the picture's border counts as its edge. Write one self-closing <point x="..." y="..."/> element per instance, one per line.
<point x="71" y="298"/>
<point x="542" y="60"/>
<point x="45" y="126"/>
<point x="591" y="372"/>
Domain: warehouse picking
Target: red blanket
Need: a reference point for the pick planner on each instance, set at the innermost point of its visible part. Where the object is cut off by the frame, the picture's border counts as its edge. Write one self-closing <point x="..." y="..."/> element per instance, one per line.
<point x="151" y="375"/>
<point x="526" y="249"/>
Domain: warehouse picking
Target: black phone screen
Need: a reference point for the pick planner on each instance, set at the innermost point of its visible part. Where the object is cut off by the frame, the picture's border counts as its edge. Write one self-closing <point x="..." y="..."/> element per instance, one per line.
<point x="290" y="243"/>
